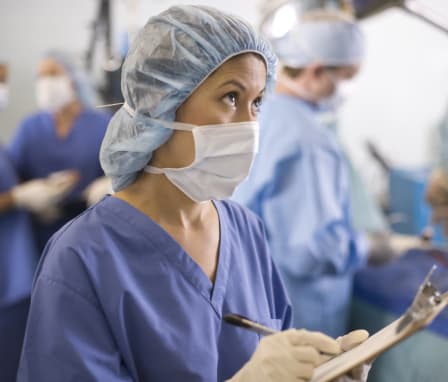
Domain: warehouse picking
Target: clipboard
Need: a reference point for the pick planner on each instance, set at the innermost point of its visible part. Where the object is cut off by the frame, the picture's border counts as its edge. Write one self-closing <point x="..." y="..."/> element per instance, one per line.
<point x="384" y="339"/>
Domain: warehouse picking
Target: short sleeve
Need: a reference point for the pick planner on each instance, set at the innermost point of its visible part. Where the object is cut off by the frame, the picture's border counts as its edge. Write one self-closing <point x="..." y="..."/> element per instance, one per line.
<point x="68" y="338"/>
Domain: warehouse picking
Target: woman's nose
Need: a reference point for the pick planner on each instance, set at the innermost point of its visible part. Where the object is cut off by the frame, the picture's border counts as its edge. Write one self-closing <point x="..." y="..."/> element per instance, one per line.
<point x="246" y="114"/>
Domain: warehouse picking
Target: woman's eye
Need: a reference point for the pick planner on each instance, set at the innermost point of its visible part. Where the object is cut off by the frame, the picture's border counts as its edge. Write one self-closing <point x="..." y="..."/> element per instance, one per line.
<point x="257" y="104"/>
<point x="231" y="98"/>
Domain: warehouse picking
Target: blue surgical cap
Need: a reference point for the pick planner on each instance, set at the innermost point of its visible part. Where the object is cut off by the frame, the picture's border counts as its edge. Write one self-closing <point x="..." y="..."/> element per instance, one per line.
<point x="170" y="57"/>
<point x="328" y="39"/>
<point x="82" y="85"/>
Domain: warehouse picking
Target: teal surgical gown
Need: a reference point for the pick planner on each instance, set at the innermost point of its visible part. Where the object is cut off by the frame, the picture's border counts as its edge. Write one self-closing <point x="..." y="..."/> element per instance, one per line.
<point x="117" y="299"/>
<point x="299" y="186"/>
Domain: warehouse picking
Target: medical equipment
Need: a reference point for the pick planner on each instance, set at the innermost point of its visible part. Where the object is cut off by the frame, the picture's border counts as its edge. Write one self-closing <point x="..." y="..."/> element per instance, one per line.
<point x="279" y="16"/>
<point x="427" y="304"/>
<point x="426" y="299"/>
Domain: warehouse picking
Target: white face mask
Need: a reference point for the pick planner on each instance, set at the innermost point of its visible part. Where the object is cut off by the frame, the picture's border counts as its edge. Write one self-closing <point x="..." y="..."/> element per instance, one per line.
<point x="344" y="88"/>
<point x="53" y="93"/>
<point x="4" y="93"/>
<point x="223" y="156"/>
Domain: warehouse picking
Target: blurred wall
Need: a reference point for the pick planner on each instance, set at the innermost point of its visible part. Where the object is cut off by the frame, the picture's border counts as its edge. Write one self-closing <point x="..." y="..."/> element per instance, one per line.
<point x="400" y="93"/>
<point x="30" y="27"/>
<point x="27" y="29"/>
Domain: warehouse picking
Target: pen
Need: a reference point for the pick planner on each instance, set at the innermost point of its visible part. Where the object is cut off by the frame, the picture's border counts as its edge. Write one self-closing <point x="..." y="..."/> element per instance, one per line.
<point x="246" y="323"/>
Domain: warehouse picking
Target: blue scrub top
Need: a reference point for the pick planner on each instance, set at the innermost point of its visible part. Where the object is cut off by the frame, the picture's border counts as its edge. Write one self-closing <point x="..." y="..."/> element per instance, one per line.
<point x="37" y="151"/>
<point x="17" y="253"/>
<point x="117" y="299"/>
<point x="299" y="186"/>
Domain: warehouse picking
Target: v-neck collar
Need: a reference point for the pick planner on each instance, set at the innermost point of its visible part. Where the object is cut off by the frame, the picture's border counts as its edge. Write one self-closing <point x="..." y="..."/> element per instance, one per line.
<point x="52" y="123"/>
<point x="173" y="252"/>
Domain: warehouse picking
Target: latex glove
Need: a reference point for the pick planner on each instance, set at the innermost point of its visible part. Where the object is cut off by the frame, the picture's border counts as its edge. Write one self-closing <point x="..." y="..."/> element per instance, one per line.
<point x="386" y="246"/>
<point x="39" y="194"/>
<point x="359" y="374"/>
<point x="348" y="342"/>
<point x="49" y="214"/>
<point x="403" y="243"/>
<point x="97" y="189"/>
<point x="380" y="248"/>
<point x="287" y="356"/>
<point x="352" y="339"/>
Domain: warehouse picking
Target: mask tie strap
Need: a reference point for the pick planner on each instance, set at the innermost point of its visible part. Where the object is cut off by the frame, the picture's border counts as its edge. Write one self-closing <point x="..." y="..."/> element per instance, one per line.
<point x="153" y="170"/>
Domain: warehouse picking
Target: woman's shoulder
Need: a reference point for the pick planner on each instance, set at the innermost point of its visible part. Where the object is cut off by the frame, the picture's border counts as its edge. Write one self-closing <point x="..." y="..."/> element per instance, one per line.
<point x="73" y="257"/>
<point x="84" y="244"/>
<point x="93" y="225"/>
<point x="109" y="226"/>
<point x="38" y="118"/>
<point x="79" y="233"/>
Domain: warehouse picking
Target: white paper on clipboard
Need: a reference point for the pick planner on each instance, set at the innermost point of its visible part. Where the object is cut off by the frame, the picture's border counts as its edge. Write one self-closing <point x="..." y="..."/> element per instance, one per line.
<point x="373" y="346"/>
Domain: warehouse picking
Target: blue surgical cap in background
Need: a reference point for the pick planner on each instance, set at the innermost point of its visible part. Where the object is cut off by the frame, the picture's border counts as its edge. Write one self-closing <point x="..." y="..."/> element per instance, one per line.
<point x="326" y="38"/>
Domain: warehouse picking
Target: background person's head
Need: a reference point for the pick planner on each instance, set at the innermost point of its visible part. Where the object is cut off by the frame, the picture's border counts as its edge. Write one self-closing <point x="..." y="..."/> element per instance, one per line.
<point x="60" y="83"/>
<point x="231" y="94"/>
<point x="171" y="73"/>
<point x="3" y="85"/>
<point x="322" y="51"/>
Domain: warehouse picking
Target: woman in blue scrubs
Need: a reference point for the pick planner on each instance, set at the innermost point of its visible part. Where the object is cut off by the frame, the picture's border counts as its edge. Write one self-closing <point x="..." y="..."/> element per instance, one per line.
<point x="135" y="289"/>
<point x="65" y="135"/>
<point x="18" y="255"/>
<point x="18" y="259"/>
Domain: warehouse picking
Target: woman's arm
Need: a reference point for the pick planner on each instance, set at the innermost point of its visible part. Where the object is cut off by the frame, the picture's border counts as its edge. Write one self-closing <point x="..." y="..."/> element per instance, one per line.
<point x="6" y="201"/>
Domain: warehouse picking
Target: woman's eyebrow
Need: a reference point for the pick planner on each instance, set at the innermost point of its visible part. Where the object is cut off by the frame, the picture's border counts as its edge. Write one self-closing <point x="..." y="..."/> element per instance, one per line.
<point x="238" y="84"/>
<point x="233" y="82"/>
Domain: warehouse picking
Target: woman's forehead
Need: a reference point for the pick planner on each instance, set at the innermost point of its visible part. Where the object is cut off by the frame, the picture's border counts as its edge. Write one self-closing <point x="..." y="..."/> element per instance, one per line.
<point x="50" y="65"/>
<point x="247" y="67"/>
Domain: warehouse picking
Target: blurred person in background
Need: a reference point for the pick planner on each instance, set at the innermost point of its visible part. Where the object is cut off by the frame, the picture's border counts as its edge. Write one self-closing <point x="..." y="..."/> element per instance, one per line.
<point x="18" y="256"/>
<point x="300" y="184"/>
<point x="64" y="137"/>
<point x="17" y="260"/>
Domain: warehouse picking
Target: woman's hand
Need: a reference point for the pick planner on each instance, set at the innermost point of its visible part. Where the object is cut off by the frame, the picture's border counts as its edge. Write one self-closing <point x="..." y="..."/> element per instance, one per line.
<point x="40" y="194"/>
<point x="291" y="355"/>
<point x="348" y="342"/>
